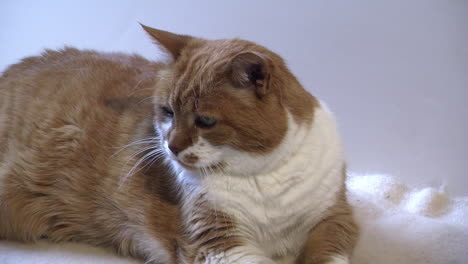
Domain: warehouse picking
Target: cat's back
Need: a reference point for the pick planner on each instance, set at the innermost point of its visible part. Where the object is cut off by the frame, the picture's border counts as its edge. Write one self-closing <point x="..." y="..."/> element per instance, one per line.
<point x="62" y="76"/>
<point x="70" y="91"/>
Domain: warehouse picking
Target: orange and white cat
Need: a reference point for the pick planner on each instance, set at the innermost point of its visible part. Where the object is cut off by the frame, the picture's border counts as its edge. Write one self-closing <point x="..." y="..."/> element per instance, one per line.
<point x="219" y="156"/>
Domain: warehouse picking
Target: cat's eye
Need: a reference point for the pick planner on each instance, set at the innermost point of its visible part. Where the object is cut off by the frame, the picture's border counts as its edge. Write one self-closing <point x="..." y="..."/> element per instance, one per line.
<point x="167" y="112"/>
<point x="205" y="122"/>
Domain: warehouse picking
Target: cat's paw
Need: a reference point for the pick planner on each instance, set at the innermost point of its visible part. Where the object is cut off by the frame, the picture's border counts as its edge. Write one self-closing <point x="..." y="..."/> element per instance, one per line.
<point x="286" y="260"/>
<point x="237" y="255"/>
<point x="237" y="259"/>
<point x="256" y="260"/>
<point x="339" y="259"/>
<point x="266" y="261"/>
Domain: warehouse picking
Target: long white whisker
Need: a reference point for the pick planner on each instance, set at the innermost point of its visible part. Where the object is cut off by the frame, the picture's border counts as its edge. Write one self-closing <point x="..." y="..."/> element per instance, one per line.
<point x="137" y="164"/>
<point x="142" y="139"/>
<point x="137" y="142"/>
<point x="139" y="152"/>
<point x="144" y="99"/>
<point x="156" y="157"/>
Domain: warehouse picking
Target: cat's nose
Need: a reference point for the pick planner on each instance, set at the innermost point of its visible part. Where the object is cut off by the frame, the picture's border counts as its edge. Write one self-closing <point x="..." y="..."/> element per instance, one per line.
<point x="178" y="141"/>
<point x="175" y="149"/>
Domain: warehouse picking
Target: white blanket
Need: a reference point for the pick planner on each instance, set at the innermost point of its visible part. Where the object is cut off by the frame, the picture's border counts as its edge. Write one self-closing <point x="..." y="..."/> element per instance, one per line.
<point x="399" y="224"/>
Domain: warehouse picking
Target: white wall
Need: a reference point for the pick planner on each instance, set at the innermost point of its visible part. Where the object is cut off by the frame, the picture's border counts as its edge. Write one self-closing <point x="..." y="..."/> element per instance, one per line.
<point x="395" y="72"/>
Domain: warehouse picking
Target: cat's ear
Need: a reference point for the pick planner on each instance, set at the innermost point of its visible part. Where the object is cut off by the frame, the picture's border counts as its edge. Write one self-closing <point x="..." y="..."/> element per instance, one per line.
<point x="171" y="42"/>
<point x="250" y="70"/>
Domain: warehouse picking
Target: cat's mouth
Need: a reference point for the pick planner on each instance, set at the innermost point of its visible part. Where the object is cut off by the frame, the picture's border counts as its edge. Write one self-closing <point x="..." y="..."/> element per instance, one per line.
<point x="189" y="163"/>
<point x="186" y="165"/>
<point x="192" y="162"/>
<point x="193" y="166"/>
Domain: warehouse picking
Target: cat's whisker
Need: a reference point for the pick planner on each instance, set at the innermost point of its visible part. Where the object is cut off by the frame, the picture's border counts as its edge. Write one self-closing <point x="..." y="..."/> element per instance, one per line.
<point x="136" y="168"/>
<point x="147" y="98"/>
<point x="140" y="151"/>
<point x="155" y="151"/>
<point x="133" y="144"/>
<point x="139" y="90"/>
<point x="156" y="157"/>
<point x="136" y="86"/>
<point x="220" y="169"/>
<point x="202" y="169"/>
<point x="137" y="142"/>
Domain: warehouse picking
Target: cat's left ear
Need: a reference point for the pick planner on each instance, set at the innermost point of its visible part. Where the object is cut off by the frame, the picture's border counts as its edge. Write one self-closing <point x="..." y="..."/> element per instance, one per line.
<point x="251" y="70"/>
<point x="171" y="42"/>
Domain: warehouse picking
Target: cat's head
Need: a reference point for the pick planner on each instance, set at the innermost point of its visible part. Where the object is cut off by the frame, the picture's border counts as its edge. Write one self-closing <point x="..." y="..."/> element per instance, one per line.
<point x="225" y="104"/>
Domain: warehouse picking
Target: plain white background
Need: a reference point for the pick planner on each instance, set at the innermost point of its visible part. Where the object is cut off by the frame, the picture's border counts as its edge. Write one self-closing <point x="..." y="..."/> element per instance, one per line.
<point x="394" y="72"/>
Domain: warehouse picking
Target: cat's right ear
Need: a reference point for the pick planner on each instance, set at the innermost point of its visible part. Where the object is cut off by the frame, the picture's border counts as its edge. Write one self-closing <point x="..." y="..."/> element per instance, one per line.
<point x="171" y="42"/>
<point x="251" y="69"/>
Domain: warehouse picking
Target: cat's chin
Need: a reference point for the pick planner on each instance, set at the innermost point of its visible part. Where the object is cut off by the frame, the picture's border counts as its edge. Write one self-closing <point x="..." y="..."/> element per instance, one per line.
<point x="180" y="165"/>
<point x="188" y="166"/>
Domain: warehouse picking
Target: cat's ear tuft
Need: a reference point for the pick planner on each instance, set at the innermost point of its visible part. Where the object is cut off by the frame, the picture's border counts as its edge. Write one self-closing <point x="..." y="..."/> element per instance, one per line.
<point x="250" y="69"/>
<point x="171" y="42"/>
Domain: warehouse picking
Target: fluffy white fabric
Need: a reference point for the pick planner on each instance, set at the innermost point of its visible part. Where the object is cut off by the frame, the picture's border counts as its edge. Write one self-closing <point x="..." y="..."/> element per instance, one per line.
<point x="399" y="224"/>
<point x="407" y="225"/>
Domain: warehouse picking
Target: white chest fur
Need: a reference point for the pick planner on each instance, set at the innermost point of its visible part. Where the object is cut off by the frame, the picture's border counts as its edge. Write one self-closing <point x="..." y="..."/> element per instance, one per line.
<point x="298" y="182"/>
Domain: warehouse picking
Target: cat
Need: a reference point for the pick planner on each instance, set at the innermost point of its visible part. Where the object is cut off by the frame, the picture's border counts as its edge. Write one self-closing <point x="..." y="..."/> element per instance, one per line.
<point x="218" y="156"/>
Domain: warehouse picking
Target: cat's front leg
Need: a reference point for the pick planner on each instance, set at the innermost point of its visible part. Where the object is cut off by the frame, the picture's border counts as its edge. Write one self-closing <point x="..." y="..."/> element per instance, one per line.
<point x="333" y="239"/>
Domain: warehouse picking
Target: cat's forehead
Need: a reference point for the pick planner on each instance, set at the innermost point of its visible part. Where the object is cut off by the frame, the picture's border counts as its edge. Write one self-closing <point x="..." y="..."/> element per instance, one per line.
<point x="213" y="100"/>
<point x="208" y="59"/>
<point x="202" y="76"/>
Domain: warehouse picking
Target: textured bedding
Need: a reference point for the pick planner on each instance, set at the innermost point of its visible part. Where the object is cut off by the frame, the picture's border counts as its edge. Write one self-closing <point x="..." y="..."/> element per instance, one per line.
<point x="399" y="224"/>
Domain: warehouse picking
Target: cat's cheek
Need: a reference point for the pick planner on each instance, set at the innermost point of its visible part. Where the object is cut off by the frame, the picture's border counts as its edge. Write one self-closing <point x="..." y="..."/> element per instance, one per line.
<point x="219" y="136"/>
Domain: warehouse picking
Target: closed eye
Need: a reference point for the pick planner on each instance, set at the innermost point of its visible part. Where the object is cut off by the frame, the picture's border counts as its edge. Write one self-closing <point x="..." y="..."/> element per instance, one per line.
<point x="205" y="122"/>
<point x="167" y="112"/>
